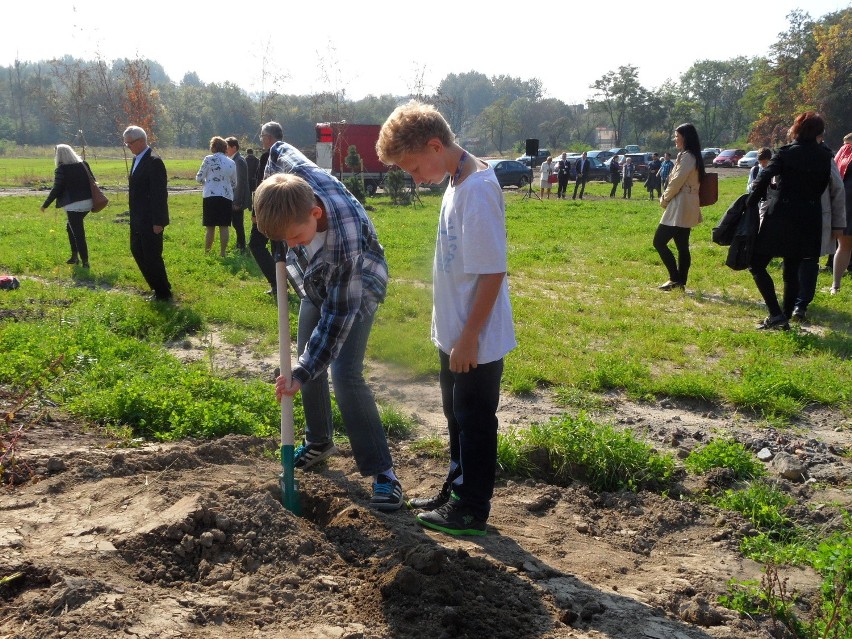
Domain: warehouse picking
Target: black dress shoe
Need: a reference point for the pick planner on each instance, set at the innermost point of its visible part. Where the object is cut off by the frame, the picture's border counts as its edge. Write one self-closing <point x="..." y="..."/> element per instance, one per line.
<point x="670" y="285"/>
<point x="72" y="260"/>
<point x="774" y="323"/>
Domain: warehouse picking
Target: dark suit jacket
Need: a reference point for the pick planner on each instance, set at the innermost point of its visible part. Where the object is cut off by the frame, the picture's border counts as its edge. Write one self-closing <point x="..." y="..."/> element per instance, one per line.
<point x="585" y="175"/>
<point x="149" y="196"/>
<point x="251" y="164"/>
<point x="242" y="195"/>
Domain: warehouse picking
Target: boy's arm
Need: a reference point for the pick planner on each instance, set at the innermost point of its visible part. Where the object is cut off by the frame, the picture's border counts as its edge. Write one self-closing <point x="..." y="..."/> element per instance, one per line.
<point x="463" y="354"/>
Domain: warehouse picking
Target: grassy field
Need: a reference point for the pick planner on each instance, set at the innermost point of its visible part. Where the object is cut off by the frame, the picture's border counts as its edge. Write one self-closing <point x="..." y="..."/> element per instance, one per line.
<point x="34" y="168"/>
<point x="583" y="279"/>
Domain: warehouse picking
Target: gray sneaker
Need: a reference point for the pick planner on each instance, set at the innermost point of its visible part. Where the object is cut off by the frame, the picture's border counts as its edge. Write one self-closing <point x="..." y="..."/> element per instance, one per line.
<point x="309" y="454"/>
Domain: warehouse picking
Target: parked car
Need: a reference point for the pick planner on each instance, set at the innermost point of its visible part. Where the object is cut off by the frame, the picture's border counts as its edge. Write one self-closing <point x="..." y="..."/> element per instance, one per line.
<point x="511" y="172"/>
<point x="600" y="156"/>
<point x="728" y="157"/>
<point x="597" y="169"/>
<point x="536" y="161"/>
<point x="631" y="148"/>
<point x="640" y="164"/>
<point x="618" y="150"/>
<point x="748" y="160"/>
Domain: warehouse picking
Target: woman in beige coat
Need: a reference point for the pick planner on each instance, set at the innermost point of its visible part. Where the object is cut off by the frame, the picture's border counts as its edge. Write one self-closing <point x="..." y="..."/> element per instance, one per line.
<point x="680" y="200"/>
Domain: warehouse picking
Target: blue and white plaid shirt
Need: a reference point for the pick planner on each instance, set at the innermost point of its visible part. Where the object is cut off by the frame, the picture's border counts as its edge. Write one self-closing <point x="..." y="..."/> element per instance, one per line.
<point x="346" y="277"/>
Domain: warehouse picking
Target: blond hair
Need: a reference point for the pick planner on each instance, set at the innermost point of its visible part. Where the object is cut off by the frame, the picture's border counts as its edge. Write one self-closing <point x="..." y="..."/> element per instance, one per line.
<point x="282" y="199"/>
<point x="66" y="155"/>
<point x="409" y="128"/>
<point x="847" y="139"/>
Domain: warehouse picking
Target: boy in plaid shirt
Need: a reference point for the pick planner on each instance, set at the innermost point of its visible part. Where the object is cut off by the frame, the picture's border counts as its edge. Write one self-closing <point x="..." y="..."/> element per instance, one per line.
<point x="338" y="269"/>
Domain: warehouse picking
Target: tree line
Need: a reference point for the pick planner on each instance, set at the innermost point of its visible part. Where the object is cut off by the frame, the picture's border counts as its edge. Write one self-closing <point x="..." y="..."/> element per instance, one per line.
<point x="731" y="102"/>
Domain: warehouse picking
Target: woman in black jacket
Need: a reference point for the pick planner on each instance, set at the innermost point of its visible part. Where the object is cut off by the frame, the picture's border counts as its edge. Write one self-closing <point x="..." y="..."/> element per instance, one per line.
<point x="72" y="192"/>
<point x="791" y="227"/>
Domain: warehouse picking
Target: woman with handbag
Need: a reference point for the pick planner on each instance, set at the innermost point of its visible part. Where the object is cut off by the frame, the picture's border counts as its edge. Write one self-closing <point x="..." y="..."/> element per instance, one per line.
<point x="548" y="177"/>
<point x="682" y="209"/>
<point x="72" y="192"/>
<point x="792" y="228"/>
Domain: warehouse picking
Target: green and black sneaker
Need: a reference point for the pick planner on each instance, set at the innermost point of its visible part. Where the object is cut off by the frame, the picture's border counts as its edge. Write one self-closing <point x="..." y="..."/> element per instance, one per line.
<point x="453" y="518"/>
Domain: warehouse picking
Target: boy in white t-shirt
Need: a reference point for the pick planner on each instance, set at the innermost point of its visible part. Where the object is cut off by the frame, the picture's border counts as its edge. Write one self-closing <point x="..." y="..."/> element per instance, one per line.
<point x="471" y="315"/>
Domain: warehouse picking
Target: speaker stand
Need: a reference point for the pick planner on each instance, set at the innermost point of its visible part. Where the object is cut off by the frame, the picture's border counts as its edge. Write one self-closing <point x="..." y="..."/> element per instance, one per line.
<point x="530" y="193"/>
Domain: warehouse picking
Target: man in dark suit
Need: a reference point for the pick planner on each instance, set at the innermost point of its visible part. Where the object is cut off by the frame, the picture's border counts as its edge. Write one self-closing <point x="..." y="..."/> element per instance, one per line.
<point x="270" y="133"/>
<point x="242" y="196"/>
<point x="581" y="171"/>
<point x="252" y="163"/>
<point x="149" y="212"/>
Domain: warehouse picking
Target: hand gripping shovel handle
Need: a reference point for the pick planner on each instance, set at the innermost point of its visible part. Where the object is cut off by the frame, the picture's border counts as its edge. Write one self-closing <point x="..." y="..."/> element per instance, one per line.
<point x="289" y="489"/>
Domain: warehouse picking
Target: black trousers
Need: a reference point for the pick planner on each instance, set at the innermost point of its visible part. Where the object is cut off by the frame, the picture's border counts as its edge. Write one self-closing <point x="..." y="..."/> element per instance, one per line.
<point x="766" y="287"/>
<point x="147" y="249"/>
<point x="237" y="221"/>
<point x="615" y="183"/>
<point x="678" y="269"/>
<point x="580" y="182"/>
<point x="259" y="247"/>
<point x="470" y="402"/>
<point x="561" y="185"/>
<point x="77" y="234"/>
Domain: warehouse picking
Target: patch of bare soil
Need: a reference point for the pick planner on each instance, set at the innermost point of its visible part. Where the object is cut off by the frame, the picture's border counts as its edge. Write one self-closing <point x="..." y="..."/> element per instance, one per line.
<point x="189" y="540"/>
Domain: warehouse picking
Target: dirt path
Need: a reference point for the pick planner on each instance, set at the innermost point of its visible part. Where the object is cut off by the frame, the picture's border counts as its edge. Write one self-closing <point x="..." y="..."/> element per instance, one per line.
<point x="189" y="540"/>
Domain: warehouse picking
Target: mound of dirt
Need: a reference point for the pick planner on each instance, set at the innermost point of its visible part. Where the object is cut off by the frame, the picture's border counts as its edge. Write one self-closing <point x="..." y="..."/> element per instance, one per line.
<point x="190" y="540"/>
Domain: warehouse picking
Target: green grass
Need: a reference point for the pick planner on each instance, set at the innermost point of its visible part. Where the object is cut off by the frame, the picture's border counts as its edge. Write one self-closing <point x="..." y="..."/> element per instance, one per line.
<point x="577" y="448"/>
<point x="725" y="453"/>
<point x="583" y="277"/>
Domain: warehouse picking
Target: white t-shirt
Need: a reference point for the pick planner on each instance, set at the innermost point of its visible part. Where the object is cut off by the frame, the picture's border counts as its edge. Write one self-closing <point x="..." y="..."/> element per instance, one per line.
<point x="471" y="242"/>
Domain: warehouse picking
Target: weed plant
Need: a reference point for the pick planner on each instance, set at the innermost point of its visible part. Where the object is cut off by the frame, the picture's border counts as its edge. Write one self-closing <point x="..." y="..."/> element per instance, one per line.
<point x="725" y="453"/>
<point x="576" y="448"/>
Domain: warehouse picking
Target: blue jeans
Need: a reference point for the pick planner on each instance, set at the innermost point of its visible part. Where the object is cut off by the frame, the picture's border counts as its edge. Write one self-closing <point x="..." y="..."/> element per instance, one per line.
<point x="808" y="274"/>
<point x="357" y="404"/>
<point x="470" y="403"/>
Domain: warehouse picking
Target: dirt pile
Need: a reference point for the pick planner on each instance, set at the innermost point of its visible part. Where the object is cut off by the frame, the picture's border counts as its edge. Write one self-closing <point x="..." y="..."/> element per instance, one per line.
<point x="190" y="540"/>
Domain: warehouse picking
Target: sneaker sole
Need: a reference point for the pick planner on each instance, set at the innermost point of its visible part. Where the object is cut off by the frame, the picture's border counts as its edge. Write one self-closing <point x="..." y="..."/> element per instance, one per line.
<point x="313" y="461"/>
<point x="386" y="507"/>
<point x="452" y="531"/>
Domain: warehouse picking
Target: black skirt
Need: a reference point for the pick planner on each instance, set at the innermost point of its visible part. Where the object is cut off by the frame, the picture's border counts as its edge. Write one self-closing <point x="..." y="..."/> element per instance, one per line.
<point x="216" y="211"/>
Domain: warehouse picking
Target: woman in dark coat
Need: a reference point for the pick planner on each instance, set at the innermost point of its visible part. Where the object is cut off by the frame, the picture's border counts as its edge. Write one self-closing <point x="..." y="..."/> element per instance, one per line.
<point x="72" y="192"/>
<point x="792" y="227"/>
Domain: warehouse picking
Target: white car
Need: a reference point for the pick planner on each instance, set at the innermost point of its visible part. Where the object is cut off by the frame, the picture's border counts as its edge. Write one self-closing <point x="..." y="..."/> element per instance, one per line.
<point x="748" y="160"/>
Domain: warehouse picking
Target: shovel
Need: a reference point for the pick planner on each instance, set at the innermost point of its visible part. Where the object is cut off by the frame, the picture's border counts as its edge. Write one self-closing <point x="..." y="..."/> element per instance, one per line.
<point x="289" y="487"/>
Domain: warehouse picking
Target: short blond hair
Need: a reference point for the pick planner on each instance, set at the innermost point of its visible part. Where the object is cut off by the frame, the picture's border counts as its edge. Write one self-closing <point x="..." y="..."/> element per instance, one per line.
<point x="847" y="139"/>
<point x="409" y="128"/>
<point x="282" y="199"/>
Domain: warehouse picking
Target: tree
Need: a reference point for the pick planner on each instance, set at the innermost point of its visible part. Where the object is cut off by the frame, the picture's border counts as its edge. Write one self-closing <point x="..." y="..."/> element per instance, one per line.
<point x="495" y="121"/>
<point x="780" y="81"/>
<point x="140" y="100"/>
<point x="827" y="86"/>
<point x="615" y="91"/>
<point x="462" y="97"/>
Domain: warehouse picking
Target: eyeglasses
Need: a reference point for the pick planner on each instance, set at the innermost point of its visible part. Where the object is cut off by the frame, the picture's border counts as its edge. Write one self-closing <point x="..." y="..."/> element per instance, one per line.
<point x="129" y="143"/>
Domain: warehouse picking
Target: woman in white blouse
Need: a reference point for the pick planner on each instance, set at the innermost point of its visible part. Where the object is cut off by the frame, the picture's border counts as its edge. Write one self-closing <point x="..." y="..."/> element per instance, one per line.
<point x="218" y="174"/>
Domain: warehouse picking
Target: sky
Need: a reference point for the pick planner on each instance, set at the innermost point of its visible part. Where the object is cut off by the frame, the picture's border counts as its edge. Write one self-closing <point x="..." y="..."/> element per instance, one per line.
<point x="390" y="47"/>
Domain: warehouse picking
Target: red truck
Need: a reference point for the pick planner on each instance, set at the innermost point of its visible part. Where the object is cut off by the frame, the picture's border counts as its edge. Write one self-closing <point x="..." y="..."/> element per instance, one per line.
<point x="333" y="142"/>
